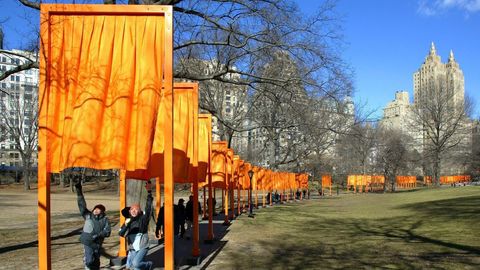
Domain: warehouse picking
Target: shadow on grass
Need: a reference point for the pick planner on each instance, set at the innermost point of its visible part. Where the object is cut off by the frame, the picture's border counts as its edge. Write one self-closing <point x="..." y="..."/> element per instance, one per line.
<point x="456" y="208"/>
<point x="35" y="243"/>
<point x="433" y="237"/>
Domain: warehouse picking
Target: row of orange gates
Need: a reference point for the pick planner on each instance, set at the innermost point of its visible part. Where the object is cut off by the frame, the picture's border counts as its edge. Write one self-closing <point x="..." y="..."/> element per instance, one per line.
<point x="376" y="182"/>
<point x="107" y="101"/>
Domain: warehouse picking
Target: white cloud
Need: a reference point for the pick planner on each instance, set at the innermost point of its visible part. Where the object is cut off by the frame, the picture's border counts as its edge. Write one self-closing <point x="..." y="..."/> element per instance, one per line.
<point x="434" y="7"/>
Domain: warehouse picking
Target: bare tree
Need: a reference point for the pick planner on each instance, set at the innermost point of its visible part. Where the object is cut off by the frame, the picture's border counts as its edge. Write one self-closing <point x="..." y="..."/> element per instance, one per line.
<point x="392" y="154"/>
<point x="21" y="124"/>
<point x="242" y="35"/>
<point x="356" y="149"/>
<point x="241" y="38"/>
<point x="442" y="118"/>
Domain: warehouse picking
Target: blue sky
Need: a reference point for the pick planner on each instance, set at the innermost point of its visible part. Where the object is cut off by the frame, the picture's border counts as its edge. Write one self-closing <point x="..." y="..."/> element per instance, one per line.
<point x="386" y="41"/>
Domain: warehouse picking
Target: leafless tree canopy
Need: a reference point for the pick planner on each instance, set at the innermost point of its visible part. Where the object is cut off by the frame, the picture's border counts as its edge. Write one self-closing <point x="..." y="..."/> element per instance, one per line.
<point x="21" y="125"/>
<point x="286" y="65"/>
<point x="443" y="119"/>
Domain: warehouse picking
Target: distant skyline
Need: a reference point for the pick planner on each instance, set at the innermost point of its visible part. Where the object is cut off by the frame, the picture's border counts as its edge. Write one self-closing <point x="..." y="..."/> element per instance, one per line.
<point x="385" y="41"/>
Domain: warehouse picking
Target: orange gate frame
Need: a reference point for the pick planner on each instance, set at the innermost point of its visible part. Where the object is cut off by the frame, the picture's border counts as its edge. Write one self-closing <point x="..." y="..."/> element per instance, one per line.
<point x="44" y="167"/>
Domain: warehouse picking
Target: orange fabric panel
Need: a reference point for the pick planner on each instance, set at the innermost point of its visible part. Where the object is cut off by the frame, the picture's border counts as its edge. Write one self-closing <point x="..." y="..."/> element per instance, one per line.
<point x="326" y="180"/>
<point x="246" y="179"/>
<point x="400" y="179"/>
<point x="219" y="164"/>
<point x="241" y="174"/>
<point x="230" y="163"/>
<point x="204" y="145"/>
<point x="236" y="171"/>
<point x="259" y="177"/>
<point x="454" y="179"/>
<point x="255" y="177"/>
<point x="185" y="132"/>
<point x="102" y="94"/>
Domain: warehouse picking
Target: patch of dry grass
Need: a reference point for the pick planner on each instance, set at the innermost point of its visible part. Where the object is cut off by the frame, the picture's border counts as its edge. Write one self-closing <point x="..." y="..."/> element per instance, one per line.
<point x="424" y="229"/>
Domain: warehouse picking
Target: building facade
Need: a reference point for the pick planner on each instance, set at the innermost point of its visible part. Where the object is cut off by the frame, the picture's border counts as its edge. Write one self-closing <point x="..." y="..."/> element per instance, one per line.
<point x="435" y="85"/>
<point x="18" y="109"/>
<point x="434" y="77"/>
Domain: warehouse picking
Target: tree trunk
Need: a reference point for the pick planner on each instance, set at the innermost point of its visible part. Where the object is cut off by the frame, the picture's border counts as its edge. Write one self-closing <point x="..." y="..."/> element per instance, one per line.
<point x="26" y="171"/>
<point x="61" y="176"/>
<point x="71" y="184"/>
<point x="26" y="179"/>
<point x="136" y="193"/>
<point x="436" y="169"/>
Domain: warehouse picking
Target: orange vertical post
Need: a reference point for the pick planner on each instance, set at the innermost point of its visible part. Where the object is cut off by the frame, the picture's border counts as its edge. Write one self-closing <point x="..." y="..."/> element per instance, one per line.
<point x="44" y="252"/>
<point x="158" y="196"/>
<point x="231" y="215"/>
<point x="196" y="234"/>
<point x="264" y="200"/>
<point x="210" y="209"/>
<point x="238" y="200"/>
<point x="225" y="193"/>
<point x="210" y="198"/>
<point x="122" y="182"/>
<point x="271" y="197"/>
<point x="204" y="203"/>
<point x="168" y="156"/>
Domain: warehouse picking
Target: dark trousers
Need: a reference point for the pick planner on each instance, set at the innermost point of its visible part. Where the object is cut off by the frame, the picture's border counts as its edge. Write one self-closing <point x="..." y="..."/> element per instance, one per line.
<point x="179" y="228"/>
<point x="91" y="257"/>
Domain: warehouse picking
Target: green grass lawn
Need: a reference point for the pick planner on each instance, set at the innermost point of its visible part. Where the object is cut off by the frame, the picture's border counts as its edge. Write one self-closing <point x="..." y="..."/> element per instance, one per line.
<point x="420" y="229"/>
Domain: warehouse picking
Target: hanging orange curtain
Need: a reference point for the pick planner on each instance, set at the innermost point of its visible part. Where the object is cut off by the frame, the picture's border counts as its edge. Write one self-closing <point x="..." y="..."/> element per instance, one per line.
<point x="229" y="156"/>
<point x="246" y="179"/>
<point x="236" y="171"/>
<point x="219" y="164"/>
<point x="100" y="91"/>
<point x="326" y="180"/>
<point x="204" y="145"/>
<point x="185" y="157"/>
<point x="241" y="174"/>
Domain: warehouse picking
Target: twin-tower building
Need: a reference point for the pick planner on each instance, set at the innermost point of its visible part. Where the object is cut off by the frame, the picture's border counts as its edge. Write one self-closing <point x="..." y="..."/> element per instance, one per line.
<point x="434" y="80"/>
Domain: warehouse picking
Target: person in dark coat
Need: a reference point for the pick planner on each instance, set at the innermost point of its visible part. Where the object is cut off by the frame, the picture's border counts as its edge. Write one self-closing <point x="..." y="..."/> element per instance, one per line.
<point x="189" y="216"/>
<point x="95" y="229"/>
<point x="179" y="218"/>
<point x="135" y="230"/>
<point x="160" y="219"/>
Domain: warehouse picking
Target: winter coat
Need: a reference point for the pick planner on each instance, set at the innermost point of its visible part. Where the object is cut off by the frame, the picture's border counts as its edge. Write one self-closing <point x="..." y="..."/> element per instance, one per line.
<point x="189" y="210"/>
<point x="95" y="228"/>
<point x="137" y="228"/>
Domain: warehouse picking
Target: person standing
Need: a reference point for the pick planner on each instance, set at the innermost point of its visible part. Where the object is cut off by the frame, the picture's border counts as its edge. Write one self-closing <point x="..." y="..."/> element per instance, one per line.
<point x="190" y="216"/>
<point x="95" y="229"/>
<point x="179" y="218"/>
<point x="159" y="226"/>
<point x="135" y="230"/>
